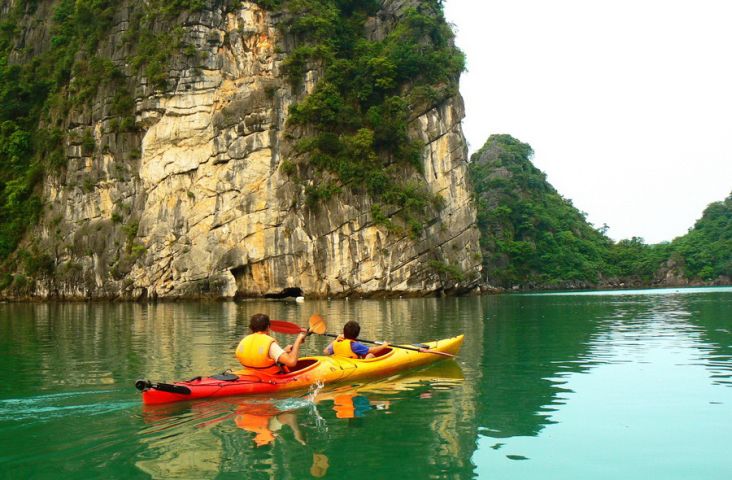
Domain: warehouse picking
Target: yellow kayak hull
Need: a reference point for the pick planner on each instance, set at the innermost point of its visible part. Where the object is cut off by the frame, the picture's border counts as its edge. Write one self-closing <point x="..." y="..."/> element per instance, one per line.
<point x="309" y="371"/>
<point x="330" y="369"/>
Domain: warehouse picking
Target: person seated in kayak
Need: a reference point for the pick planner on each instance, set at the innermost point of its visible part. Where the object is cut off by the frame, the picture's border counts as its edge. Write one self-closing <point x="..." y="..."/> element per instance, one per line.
<point x="261" y="351"/>
<point x="347" y="346"/>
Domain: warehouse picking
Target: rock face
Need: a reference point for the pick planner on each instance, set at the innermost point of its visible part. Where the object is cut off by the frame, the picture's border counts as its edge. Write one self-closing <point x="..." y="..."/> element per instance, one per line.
<point x="194" y="202"/>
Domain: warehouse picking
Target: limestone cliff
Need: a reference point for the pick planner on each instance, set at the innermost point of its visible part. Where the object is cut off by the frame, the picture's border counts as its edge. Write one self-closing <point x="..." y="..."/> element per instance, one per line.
<point x="192" y="201"/>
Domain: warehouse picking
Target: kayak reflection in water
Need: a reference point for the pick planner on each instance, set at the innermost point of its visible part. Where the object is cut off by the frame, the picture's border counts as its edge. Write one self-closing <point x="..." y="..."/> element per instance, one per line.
<point x="351" y="405"/>
<point x="266" y="421"/>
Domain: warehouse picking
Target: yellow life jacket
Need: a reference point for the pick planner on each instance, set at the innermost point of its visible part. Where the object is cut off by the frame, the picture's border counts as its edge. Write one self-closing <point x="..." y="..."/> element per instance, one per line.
<point x="253" y="351"/>
<point x="342" y="348"/>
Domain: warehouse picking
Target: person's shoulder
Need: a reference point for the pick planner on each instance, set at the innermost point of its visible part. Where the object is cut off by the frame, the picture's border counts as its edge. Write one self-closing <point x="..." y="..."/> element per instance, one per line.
<point x="359" y="348"/>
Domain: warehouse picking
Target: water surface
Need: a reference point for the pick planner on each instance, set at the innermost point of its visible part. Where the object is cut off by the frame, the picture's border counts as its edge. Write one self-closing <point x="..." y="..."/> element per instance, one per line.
<point x="628" y="384"/>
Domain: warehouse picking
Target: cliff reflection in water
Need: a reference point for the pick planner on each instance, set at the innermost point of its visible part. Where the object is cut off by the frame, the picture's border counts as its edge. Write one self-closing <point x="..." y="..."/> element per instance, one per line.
<point x="711" y="317"/>
<point x="302" y="433"/>
<point x="528" y="345"/>
<point x="533" y="343"/>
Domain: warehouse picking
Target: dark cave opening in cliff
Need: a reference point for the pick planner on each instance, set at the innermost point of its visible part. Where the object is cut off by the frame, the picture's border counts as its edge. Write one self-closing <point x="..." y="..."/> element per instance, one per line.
<point x="293" y="292"/>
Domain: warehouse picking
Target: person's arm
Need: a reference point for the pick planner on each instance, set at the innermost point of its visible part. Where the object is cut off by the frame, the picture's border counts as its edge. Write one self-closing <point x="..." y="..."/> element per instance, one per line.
<point x="378" y="348"/>
<point x="289" y="358"/>
<point x="362" y="350"/>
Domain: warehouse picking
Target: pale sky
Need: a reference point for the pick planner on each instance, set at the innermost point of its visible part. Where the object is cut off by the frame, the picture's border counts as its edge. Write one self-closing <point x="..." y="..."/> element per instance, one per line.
<point x="626" y="103"/>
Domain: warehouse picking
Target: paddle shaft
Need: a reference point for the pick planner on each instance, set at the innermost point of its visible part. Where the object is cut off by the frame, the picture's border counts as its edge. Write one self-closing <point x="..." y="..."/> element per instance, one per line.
<point x="292" y="329"/>
<point x="421" y="350"/>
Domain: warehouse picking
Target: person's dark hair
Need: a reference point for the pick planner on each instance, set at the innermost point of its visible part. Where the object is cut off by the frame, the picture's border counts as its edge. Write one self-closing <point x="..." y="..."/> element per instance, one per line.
<point x="259" y="322"/>
<point x="351" y="330"/>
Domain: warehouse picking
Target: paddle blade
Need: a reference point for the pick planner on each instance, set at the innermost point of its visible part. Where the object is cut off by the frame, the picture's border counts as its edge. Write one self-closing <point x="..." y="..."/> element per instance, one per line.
<point x="280" y="326"/>
<point x="317" y="324"/>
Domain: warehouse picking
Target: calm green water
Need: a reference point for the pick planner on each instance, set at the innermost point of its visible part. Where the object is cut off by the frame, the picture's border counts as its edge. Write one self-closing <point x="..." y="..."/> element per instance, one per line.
<point x="609" y="385"/>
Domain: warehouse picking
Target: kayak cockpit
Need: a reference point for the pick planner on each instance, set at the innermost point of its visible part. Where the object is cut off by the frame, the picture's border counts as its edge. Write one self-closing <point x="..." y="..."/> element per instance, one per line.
<point x="304" y="364"/>
<point x="382" y="353"/>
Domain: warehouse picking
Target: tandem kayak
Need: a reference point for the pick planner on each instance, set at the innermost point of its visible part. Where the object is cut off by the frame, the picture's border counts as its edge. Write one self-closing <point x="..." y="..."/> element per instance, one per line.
<point x="308" y="371"/>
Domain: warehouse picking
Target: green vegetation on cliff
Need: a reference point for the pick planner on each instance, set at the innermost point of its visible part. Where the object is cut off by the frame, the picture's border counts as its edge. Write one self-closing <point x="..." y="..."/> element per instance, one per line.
<point x="43" y="83"/>
<point x="633" y="262"/>
<point x="532" y="237"/>
<point x="706" y="251"/>
<point x="35" y="90"/>
<point x="355" y="124"/>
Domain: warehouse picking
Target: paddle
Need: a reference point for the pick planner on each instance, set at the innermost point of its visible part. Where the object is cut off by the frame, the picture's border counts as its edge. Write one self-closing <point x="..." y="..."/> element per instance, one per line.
<point x="317" y="325"/>
<point x="285" y="327"/>
<point x="293" y="329"/>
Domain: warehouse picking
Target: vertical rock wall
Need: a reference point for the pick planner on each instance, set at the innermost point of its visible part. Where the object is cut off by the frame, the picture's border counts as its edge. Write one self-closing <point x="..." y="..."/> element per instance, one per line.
<point x="194" y="203"/>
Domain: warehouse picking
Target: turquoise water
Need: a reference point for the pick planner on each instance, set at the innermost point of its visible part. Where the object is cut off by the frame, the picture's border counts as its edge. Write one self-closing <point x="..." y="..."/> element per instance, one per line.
<point x="629" y="384"/>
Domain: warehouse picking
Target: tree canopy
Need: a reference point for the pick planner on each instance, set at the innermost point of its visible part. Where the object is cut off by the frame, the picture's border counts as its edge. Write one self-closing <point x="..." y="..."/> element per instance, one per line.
<point x="533" y="237"/>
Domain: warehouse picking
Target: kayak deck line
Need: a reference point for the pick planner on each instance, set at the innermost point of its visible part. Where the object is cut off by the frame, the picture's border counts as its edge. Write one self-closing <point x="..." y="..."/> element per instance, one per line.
<point x="309" y="370"/>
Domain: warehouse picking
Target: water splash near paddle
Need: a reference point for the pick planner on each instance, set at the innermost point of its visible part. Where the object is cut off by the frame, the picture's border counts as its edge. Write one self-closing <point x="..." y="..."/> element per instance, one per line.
<point x="314" y="390"/>
<point x="320" y="424"/>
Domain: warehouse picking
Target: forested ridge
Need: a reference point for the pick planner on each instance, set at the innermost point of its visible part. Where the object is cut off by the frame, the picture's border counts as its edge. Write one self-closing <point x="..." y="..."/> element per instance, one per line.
<point x="532" y="237"/>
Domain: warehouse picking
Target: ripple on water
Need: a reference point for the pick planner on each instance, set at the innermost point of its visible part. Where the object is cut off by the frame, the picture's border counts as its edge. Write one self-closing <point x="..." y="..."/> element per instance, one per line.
<point x="45" y="407"/>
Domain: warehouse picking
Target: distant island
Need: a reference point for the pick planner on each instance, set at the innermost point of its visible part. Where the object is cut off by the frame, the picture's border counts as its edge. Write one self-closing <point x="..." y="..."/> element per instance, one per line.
<point x="533" y="238"/>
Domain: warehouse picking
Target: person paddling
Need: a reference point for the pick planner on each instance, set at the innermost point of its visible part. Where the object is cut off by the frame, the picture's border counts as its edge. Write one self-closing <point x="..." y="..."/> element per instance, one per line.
<point x="260" y="351"/>
<point x="346" y="344"/>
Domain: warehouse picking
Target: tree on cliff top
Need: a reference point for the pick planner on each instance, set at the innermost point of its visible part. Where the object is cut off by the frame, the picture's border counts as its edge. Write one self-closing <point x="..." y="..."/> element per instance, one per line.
<point x="707" y="249"/>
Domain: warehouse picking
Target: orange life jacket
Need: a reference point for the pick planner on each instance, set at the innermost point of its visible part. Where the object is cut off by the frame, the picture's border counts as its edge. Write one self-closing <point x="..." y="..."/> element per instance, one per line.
<point x="343" y="348"/>
<point x="253" y="351"/>
<point x="344" y="407"/>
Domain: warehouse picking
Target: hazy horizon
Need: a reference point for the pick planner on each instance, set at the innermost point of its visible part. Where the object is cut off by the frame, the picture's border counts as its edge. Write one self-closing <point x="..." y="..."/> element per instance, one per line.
<point x="626" y="104"/>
